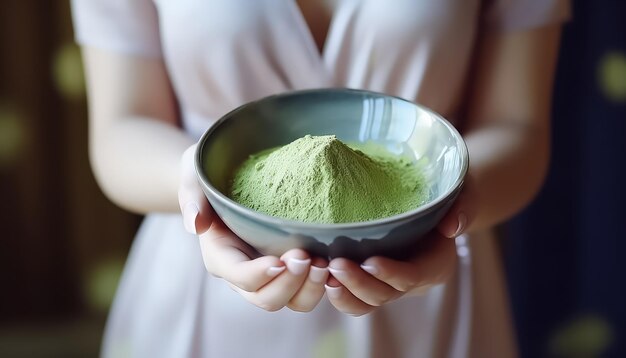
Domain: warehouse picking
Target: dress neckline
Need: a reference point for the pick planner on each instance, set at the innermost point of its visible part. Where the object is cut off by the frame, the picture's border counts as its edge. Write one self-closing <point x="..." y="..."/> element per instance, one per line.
<point x="306" y="35"/>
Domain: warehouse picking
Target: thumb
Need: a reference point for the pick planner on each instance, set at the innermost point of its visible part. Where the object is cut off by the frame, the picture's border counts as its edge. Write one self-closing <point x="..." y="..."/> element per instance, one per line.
<point x="460" y="217"/>
<point x="197" y="213"/>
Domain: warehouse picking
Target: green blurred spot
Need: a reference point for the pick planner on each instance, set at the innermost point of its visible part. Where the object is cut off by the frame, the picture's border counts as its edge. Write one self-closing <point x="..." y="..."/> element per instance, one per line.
<point x="586" y="336"/>
<point x="12" y="135"/>
<point x="102" y="283"/>
<point x="331" y="345"/>
<point x="612" y="76"/>
<point x="67" y="72"/>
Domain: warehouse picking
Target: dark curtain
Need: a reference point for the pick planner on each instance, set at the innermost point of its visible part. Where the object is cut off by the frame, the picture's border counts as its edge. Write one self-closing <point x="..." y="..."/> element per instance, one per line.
<point x="564" y="255"/>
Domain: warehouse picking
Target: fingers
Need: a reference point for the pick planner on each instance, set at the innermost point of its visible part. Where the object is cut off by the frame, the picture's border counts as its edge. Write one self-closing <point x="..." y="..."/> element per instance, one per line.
<point x="197" y="213"/>
<point x="431" y="266"/>
<point x="312" y="289"/>
<point x="266" y="281"/>
<point x="361" y="284"/>
<point x="226" y="256"/>
<point x="277" y="293"/>
<point x="344" y="301"/>
<point x="359" y="289"/>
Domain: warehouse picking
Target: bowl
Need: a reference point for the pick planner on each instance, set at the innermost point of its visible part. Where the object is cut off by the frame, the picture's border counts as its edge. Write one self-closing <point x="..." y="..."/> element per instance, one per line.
<point x="354" y="116"/>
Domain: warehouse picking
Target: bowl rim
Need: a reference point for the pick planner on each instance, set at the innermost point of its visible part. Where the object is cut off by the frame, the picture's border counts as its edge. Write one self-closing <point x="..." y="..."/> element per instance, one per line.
<point x="287" y="223"/>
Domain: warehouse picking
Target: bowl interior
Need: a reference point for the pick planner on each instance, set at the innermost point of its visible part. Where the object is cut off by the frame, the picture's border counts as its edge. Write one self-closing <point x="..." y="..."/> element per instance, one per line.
<point x="353" y="116"/>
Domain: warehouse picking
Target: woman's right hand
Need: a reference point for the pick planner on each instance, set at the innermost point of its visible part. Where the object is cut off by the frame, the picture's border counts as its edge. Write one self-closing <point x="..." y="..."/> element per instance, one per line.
<point x="294" y="280"/>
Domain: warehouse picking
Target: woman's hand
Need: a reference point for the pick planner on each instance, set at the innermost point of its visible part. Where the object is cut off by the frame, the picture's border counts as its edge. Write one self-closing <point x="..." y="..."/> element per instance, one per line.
<point x="294" y="280"/>
<point x="359" y="289"/>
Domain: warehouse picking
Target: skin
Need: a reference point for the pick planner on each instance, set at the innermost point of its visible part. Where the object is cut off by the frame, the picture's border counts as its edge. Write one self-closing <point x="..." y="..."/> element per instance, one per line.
<point x="143" y="162"/>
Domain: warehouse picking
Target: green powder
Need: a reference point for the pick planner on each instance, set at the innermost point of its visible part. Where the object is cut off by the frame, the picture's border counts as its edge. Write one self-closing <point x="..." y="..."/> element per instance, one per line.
<point x="322" y="180"/>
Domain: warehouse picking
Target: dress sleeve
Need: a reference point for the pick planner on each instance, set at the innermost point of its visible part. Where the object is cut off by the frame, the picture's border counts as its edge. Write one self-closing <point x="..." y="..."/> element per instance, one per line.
<point x="512" y="15"/>
<point x="127" y="26"/>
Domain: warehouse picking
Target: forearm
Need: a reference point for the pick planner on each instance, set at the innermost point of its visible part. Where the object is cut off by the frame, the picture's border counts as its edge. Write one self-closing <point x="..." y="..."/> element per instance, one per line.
<point x="136" y="163"/>
<point x="508" y="163"/>
<point x="135" y="144"/>
<point x="507" y="126"/>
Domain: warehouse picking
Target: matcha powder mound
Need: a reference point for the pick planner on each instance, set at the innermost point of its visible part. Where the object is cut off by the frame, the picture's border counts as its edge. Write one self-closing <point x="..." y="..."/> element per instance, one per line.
<point x="320" y="179"/>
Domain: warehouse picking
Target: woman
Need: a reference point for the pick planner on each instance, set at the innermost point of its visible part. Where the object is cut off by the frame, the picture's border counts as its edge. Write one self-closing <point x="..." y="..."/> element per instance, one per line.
<point x="161" y="72"/>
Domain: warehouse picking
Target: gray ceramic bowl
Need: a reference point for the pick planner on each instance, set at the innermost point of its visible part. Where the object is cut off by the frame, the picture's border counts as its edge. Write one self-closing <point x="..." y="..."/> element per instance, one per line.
<point x="353" y="116"/>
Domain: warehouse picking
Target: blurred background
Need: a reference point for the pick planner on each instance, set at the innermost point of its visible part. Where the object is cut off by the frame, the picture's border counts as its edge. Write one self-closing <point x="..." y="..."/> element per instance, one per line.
<point x="63" y="245"/>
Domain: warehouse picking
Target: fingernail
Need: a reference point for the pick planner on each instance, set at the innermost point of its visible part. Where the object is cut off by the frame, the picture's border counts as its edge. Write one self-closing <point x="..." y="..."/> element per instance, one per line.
<point x="341" y="275"/>
<point x="275" y="270"/>
<point x="297" y="266"/>
<point x="333" y="292"/>
<point x="318" y="274"/>
<point x="190" y="213"/>
<point x="461" y="226"/>
<point x="372" y="270"/>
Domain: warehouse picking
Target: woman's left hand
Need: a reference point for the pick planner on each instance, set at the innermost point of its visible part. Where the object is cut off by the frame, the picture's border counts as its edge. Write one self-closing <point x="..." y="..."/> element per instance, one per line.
<point x="359" y="289"/>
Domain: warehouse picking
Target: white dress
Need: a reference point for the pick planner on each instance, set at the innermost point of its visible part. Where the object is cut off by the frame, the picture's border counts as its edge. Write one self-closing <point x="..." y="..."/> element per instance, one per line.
<point x="221" y="54"/>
